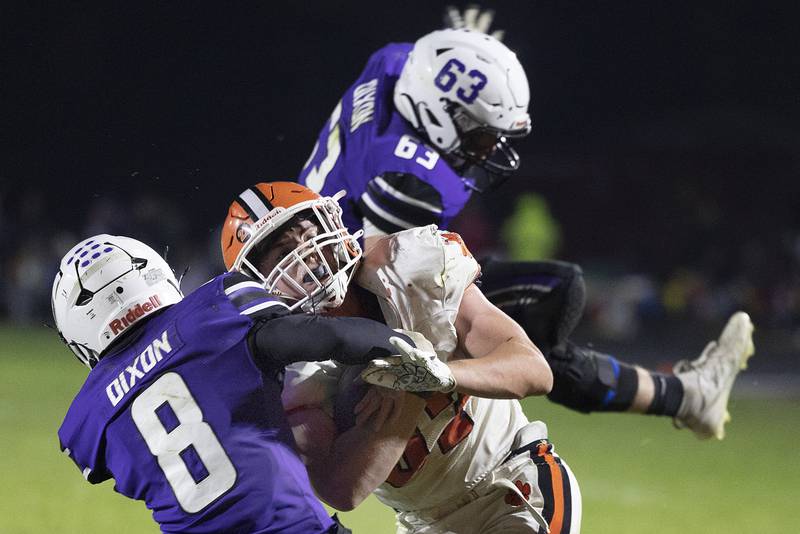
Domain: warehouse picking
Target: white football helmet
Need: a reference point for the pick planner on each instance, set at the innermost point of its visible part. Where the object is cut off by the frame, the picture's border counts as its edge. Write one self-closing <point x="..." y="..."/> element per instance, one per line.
<point x="104" y="285"/>
<point x="312" y="276"/>
<point x="467" y="92"/>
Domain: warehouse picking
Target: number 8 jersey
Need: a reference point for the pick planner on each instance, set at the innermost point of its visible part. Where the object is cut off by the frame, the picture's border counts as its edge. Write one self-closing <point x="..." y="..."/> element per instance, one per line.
<point x="183" y="419"/>
<point x="394" y="181"/>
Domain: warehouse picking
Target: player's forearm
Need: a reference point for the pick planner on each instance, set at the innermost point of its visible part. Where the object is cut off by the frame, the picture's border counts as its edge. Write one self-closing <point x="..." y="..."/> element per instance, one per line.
<point x="359" y="468"/>
<point x="361" y="459"/>
<point x="294" y="338"/>
<point x="513" y="370"/>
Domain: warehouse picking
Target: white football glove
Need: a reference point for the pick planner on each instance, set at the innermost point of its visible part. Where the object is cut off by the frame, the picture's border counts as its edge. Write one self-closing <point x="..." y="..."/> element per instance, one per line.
<point x="413" y="369"/>
<point x="472" y="19"/>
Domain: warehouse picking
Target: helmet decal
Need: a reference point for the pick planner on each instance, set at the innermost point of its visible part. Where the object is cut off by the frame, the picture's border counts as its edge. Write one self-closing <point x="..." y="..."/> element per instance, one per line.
<point x="243" y="232"/>
<point x="88" y="252"/>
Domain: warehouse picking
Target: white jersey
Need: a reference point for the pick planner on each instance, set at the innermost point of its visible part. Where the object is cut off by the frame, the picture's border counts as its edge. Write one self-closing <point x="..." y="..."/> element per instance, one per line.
<point x="420" y="276"/>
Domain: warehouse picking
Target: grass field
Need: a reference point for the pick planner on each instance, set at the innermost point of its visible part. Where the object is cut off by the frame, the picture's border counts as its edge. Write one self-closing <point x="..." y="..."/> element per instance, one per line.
<point x="637" y="474"/>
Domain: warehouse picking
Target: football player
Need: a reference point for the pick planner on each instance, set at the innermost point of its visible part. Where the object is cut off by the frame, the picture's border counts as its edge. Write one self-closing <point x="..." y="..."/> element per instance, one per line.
<point x="182" y="404"/>
<point x="467" y="459"/>
<point x="427" y="124"/>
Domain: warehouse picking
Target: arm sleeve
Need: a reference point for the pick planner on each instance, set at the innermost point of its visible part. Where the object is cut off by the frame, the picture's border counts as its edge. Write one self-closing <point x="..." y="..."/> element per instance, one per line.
<point x="305" y="338"/>
<point x="396" y="201"/>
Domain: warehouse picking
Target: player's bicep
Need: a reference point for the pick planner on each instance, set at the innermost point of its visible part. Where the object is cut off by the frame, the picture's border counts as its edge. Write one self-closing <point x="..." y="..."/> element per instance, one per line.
<point x="396" y="201"/>
<point x="482" y="327"/>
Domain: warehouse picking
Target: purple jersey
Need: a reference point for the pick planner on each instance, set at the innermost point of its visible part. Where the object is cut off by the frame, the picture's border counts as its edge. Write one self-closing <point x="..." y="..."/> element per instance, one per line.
<point x="392" y="178"/>
<point x="183" y="419"/>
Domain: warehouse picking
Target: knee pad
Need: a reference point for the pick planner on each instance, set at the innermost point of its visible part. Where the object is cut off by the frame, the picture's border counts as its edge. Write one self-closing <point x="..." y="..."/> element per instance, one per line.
<point x="545" y="297"/>
<point x="586" y="380"/>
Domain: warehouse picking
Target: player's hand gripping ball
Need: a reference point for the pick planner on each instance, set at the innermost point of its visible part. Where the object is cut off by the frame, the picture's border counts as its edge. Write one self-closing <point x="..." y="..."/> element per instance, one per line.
<point x="412" y="369"/>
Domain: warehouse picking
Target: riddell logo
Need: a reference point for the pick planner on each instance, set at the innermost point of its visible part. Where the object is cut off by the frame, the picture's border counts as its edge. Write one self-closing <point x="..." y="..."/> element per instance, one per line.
<point x="243" y="232"/>
<point x="134" y="314"/>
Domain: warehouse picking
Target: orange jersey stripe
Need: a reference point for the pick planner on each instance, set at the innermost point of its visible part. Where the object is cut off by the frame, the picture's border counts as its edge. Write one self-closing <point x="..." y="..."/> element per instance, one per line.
<point x="558" y="490"/>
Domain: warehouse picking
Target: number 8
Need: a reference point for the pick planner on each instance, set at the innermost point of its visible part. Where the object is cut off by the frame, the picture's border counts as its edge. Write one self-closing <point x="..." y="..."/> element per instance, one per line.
<point x="191" y="431"/>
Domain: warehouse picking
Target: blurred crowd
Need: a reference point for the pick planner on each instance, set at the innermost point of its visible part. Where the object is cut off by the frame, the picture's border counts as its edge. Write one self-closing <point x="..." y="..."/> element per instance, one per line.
<point x="759" y="274"/>
<point x="763" y="280"/>
<point x="33" y="242"/>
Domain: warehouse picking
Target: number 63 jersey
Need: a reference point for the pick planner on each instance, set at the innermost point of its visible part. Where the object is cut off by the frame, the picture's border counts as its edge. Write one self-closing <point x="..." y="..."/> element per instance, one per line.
<point x="183" y="419"/>
<point x="393" y="180"/>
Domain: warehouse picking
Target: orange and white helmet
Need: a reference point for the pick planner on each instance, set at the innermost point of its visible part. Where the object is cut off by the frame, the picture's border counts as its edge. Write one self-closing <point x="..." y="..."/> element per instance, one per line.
<point x="313" y="275"/>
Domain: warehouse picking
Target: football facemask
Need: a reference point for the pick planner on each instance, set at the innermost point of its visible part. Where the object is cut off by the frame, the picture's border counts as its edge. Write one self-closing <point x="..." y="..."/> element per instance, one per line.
<point x="315" y="273"/>
<point x="485" y="158"/>
<point x="299" y="248"/>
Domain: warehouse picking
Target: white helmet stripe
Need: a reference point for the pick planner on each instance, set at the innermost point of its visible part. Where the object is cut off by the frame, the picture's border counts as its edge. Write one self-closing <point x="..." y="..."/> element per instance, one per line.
<point x="253" y="204"/>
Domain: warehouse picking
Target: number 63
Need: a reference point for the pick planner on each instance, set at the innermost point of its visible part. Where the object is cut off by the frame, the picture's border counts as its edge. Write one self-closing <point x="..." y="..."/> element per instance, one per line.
<point x="448" y="76"/>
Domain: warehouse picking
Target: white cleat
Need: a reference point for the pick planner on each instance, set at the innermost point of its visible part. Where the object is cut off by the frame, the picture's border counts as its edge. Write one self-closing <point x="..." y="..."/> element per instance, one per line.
<point x="708" y="380"/>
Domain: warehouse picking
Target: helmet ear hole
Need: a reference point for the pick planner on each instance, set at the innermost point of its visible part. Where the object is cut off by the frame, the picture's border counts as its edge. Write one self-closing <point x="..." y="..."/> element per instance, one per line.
<point x="432" y="118"/>
<point x="119" y="290"/>
<point x="84" y="297"/>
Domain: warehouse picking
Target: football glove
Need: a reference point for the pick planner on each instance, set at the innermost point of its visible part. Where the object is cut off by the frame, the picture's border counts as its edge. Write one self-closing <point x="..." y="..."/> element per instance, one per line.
<point x="413" y="369"/>
<point x="472" y="19"/>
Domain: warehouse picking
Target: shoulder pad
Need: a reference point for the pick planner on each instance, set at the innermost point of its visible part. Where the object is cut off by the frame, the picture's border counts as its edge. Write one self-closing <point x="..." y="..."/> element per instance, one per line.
<point x="420" y="276"/>
<point x="396" y="201"/>
<point x="250" y="297"/>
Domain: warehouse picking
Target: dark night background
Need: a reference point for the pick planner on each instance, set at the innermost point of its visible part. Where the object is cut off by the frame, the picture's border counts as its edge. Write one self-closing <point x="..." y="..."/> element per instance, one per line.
<point x="665" y="135"/>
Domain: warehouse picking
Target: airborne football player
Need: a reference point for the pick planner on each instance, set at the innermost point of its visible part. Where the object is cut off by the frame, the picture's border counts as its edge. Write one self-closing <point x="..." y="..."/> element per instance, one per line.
<point x="427" y="124"/>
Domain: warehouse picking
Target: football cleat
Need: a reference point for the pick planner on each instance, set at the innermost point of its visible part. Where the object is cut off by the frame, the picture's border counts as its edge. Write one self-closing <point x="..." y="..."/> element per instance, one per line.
<point x="708" y="380"/>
